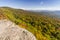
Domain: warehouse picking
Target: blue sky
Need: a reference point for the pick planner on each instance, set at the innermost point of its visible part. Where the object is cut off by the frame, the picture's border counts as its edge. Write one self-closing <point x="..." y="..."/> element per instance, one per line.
<point x="32" y="4"/>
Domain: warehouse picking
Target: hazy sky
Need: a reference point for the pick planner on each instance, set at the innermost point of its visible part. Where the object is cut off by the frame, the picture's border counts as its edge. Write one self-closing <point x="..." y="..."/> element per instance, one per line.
<point x="32" y="4"/>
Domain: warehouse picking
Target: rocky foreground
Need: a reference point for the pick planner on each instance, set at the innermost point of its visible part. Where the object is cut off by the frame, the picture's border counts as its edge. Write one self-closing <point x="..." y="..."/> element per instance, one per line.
<point x="10" y="31"/>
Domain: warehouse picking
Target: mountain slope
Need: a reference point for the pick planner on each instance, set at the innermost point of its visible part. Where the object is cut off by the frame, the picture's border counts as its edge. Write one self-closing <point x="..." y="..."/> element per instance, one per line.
<point x="42" y="26"/>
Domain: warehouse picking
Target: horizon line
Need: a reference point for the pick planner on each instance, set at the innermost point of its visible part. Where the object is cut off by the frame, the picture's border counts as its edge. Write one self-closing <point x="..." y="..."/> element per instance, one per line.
<point x="48" y="9"/>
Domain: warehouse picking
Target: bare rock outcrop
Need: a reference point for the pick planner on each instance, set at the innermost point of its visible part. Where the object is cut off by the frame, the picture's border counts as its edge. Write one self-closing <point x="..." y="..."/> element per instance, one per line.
<point x="10" y="31"/>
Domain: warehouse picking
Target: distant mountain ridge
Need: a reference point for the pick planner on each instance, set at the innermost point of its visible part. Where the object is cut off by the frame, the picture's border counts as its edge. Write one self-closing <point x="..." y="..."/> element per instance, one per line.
<point x="55" y="13"/>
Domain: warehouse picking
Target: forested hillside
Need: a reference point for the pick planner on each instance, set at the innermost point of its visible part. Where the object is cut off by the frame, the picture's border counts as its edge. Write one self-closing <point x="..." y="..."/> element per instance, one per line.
<point x="42" y="26"/>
